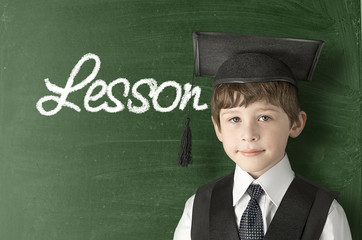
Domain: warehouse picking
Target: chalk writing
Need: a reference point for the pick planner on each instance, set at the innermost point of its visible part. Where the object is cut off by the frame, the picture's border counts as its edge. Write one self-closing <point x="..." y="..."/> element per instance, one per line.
<point x="180" y="101"/>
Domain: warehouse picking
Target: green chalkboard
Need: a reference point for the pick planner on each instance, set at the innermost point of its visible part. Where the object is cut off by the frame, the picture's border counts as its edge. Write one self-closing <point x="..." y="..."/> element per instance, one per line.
<point x="93" y="98"/>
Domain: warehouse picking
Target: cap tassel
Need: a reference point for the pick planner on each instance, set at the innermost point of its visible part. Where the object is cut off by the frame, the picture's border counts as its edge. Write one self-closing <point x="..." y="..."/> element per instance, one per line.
<point x="184" y="154"/>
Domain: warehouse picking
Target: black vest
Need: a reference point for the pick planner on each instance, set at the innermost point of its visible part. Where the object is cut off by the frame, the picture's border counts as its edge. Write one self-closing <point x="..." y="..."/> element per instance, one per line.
<point x="301" y="214"/>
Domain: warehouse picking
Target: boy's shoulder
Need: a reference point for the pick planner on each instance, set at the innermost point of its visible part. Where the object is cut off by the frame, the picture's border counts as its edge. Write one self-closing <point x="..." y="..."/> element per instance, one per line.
<point x="208" y="187"/>
<point x="309" y="203"/>
<point x="216" y="193"/>
<point x="321" y="189"/>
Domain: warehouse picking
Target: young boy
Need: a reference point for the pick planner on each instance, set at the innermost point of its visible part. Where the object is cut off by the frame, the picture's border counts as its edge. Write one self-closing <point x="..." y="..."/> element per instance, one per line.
<point x="255" y="109"/>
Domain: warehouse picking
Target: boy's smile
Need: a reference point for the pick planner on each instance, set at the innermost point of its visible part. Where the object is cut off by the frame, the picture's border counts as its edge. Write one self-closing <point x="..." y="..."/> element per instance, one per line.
<point x="251" y="152"/>
<point x="255" y="137"/>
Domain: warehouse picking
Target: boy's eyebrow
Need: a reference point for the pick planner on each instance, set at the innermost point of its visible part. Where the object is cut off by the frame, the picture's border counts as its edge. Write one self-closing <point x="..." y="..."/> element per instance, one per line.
<point x="229" y="111"/>
<point x="232" y="111"/>
<point x="269" y="109"/>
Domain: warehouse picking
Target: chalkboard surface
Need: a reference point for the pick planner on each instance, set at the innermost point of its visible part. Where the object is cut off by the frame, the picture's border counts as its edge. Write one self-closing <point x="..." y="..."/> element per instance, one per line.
<point x="93" y="99"/>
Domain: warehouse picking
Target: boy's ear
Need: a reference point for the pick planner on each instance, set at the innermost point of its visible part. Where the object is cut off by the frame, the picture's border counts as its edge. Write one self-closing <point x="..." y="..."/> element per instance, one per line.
<point x="217" y="129"/>
<point x="298" y="127"/>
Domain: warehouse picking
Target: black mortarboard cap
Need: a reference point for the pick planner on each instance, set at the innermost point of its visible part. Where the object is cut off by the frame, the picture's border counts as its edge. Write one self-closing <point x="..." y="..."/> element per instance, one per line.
<point x="239" y="58"/>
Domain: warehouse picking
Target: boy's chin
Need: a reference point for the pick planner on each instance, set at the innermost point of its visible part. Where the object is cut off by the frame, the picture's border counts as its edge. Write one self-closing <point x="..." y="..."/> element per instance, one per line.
<point x="255" y="170"/>
<point x="257" y="165"/>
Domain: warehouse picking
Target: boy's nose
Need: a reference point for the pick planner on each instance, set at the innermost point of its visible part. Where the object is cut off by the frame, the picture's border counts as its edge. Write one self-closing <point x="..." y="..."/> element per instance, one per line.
<point x="250" y="138"/>
<point x="249" y="134"/>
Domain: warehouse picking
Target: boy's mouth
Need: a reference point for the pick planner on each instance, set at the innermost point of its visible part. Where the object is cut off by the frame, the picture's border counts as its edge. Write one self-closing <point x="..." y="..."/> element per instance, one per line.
<point x="251" y="152"/>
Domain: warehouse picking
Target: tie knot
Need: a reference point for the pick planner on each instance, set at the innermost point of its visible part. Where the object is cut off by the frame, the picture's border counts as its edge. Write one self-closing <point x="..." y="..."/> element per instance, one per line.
<point x="255" y="191"/>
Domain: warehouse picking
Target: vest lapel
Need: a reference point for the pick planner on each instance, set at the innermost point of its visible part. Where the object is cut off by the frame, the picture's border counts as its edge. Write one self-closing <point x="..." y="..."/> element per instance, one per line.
<point x="222" y="217"/>
<point x="291" y="216"/>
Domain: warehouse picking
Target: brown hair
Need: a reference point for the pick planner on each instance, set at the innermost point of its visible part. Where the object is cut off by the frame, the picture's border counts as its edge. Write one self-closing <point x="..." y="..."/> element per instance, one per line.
<point x="281" y="94"/>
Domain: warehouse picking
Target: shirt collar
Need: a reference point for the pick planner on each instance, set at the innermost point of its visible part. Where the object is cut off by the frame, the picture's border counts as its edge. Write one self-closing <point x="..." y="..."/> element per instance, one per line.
<point x="275" y="181"/>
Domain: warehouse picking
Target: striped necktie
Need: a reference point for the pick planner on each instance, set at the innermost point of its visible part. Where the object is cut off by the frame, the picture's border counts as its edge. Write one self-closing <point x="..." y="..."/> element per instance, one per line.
<point x="251" y="223"/>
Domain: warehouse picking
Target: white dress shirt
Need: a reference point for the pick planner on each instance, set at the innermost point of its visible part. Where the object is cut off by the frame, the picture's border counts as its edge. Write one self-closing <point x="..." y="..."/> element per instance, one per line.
<point x="275" y="183"/>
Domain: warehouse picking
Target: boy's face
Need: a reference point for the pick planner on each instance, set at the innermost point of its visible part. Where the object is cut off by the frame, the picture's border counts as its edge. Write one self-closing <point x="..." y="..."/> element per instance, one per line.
<point x="255" y="137"/>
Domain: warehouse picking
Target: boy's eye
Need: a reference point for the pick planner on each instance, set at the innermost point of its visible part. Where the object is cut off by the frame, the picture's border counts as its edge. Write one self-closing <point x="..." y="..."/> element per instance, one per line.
<point x="234" y="119"/>
<point x="264" y="118"/>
